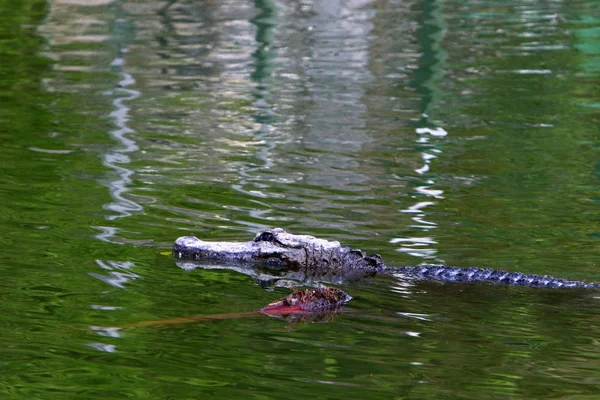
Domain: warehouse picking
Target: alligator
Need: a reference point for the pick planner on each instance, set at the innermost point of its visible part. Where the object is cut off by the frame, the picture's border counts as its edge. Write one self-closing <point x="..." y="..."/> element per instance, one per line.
<point x="275" y="254"/>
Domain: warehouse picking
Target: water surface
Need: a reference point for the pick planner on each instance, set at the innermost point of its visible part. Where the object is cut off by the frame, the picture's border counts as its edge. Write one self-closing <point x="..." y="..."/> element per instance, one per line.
<point x="452" y="132"/>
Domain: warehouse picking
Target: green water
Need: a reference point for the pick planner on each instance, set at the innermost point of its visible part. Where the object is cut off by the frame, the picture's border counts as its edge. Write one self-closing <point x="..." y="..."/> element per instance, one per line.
<point x="426" y="131"/>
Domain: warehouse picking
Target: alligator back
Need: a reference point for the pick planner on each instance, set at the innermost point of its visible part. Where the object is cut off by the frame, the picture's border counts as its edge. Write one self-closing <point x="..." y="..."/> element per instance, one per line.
<point x="455" y="274"/>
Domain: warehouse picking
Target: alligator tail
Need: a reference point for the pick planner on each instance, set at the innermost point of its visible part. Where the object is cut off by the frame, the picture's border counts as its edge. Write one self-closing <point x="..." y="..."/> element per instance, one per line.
<point x="455" y="274"/>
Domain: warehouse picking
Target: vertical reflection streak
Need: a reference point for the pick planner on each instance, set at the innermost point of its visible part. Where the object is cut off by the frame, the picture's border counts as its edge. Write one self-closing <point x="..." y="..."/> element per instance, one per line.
<point x="117" y="158"/>
<point x="426" y="77"/>
<point x="117" y="273"/>
<point x="265" y="114"/>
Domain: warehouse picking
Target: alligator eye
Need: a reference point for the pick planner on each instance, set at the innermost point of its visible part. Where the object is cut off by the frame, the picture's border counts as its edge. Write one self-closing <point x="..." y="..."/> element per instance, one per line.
<point x="265" y="237"/>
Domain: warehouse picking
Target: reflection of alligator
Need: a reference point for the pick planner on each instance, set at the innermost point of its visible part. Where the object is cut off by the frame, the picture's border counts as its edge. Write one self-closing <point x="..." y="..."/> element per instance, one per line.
<point x="276" y="255"/>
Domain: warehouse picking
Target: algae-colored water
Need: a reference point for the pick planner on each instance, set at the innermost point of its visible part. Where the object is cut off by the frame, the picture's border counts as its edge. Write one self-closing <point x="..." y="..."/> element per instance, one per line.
<point x="455" y="132"/>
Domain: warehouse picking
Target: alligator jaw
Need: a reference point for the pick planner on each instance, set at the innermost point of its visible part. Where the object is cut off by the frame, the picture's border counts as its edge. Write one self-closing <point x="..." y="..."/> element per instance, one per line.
<point x="192" y="248"/>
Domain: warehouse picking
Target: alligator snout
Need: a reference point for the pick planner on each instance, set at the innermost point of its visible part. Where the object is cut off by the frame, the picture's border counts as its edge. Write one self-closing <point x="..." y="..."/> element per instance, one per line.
<point x="264" y="250"/>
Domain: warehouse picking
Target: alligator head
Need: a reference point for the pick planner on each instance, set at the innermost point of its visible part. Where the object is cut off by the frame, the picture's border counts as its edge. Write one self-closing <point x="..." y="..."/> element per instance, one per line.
<point x="276" y="249"/>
